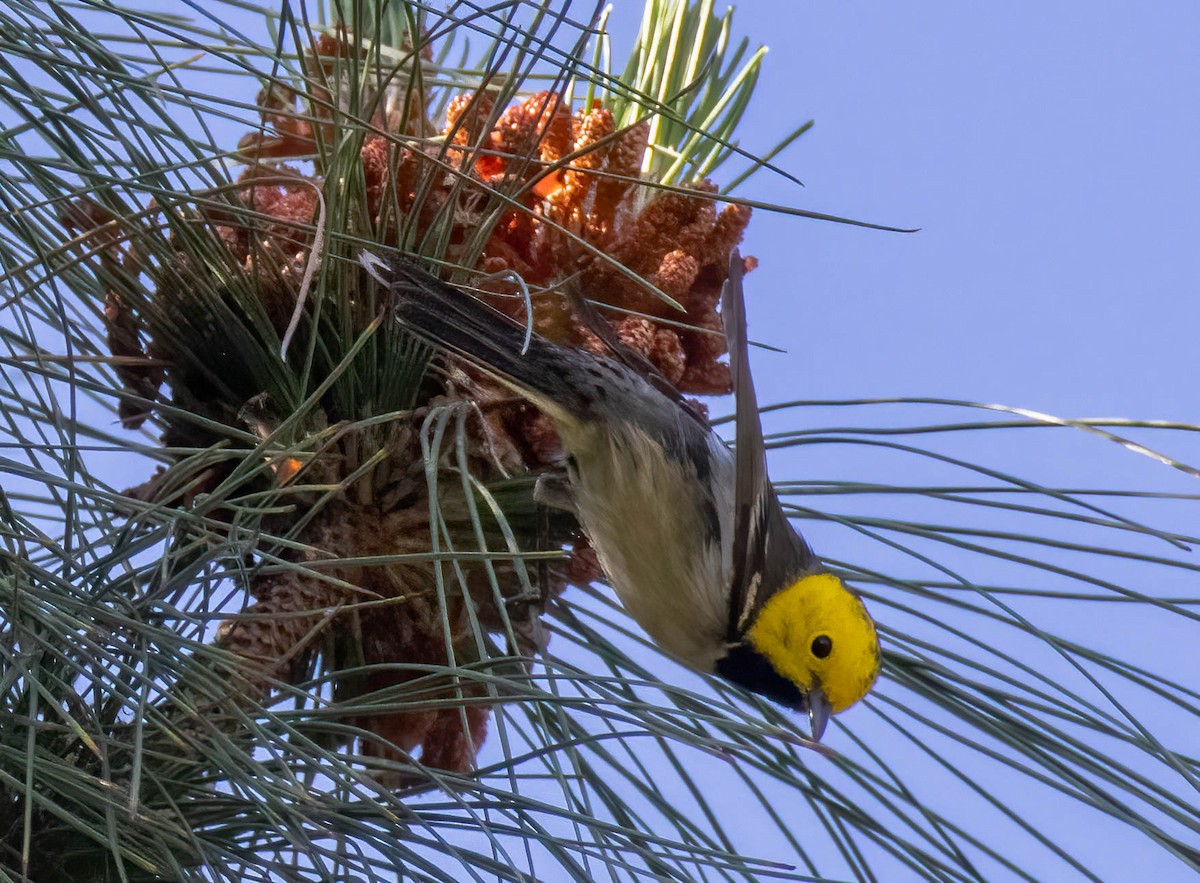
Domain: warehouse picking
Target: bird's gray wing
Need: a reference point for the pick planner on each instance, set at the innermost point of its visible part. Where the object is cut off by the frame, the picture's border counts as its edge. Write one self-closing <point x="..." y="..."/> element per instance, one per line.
<point x="767" y="551"/>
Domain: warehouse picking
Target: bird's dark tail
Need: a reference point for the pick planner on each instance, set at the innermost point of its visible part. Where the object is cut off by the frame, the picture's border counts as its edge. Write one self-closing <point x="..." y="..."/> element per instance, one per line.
<point x="451" y="320"/>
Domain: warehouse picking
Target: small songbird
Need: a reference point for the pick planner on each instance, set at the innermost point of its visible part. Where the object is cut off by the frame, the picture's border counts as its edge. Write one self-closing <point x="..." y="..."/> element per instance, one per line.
<point x="690" y="534"/>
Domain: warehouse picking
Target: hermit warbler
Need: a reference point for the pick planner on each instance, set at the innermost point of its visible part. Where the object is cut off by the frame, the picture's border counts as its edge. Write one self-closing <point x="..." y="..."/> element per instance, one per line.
<point x="690" y="534"/>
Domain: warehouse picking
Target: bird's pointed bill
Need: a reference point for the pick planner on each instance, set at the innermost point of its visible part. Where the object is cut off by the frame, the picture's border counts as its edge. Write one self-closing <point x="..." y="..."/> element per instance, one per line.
<point x="819" y="712"/>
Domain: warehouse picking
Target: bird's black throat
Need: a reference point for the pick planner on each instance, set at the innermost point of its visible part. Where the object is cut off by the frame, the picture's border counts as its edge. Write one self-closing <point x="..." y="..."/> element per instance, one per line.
<point x="746" y="667"/>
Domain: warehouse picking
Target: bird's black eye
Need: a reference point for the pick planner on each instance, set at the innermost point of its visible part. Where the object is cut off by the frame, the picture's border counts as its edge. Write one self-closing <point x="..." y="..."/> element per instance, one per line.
<point x="822" y="646"/>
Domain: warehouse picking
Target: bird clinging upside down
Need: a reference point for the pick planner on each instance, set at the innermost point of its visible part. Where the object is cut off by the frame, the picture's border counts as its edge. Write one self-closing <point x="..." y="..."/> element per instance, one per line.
<point x="691" y="535"/>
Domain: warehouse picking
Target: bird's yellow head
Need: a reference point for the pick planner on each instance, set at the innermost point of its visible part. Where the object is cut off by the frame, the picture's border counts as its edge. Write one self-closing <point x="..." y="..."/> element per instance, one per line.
<point x="817" y="634"/>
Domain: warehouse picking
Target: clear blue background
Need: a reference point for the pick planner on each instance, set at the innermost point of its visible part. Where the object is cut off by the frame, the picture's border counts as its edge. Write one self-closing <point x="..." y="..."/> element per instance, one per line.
<point x="1049" y="154"/>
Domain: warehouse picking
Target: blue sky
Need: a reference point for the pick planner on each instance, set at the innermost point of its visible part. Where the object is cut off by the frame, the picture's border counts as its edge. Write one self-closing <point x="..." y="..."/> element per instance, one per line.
<point x="1047" y="151"/>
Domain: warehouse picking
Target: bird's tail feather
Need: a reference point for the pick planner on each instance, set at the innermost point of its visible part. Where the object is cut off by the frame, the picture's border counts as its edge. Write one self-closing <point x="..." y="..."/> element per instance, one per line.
<point x="542" y="371"/>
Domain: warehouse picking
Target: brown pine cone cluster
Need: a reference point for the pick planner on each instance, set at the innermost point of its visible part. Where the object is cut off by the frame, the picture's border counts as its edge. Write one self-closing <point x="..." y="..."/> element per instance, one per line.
<point x="538" y="189"/>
